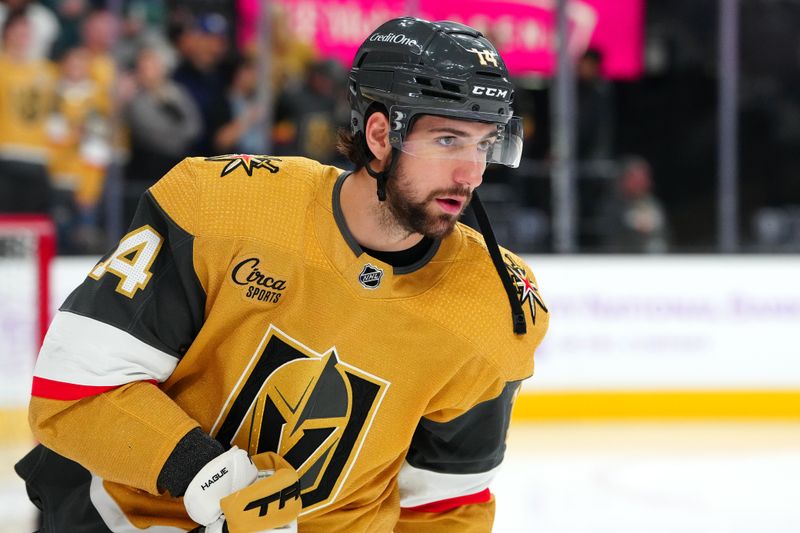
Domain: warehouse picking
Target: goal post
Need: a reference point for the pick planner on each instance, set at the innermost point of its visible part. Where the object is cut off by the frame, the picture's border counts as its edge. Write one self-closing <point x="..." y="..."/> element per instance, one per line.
<point x="27" y="249"/>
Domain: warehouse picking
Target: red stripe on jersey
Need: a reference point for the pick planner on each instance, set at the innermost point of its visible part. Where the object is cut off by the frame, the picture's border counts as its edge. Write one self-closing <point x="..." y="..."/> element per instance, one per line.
<point x="58" y="390"/>
<point x="451" y="503"/>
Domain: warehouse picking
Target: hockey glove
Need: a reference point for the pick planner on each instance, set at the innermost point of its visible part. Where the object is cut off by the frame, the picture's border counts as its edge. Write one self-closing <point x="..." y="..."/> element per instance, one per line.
<point x="272" y="502"/>
<point x="230" y="472"/>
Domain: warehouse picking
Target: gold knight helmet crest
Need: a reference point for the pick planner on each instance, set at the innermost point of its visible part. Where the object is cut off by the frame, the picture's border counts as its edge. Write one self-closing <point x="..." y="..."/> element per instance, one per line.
<point x="312" y="409"/>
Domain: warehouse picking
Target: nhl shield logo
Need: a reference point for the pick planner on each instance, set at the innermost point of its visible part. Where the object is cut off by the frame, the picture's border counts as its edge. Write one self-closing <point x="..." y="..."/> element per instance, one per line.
<point x="370" y="276"/>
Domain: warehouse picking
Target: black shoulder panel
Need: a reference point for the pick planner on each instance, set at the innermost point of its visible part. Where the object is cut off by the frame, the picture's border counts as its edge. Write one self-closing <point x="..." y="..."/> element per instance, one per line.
<point x="472" y="443"/>
<point x="169" y="310"/>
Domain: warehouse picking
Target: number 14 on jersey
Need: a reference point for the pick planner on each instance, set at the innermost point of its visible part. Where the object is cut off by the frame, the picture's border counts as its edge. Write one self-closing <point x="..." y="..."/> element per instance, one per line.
<point x="131" y="261"/>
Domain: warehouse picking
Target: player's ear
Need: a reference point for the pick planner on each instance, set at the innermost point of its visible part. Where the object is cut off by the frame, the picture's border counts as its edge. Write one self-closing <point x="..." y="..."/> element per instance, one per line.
<point x="377" y="136"/>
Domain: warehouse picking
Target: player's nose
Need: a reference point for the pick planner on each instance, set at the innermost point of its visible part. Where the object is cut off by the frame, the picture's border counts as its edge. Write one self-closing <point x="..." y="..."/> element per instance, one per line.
<point x="469" y="172"/>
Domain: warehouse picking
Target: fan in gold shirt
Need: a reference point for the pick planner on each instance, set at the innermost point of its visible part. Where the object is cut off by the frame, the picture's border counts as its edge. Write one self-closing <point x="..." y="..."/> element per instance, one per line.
<point x="26" y="97"/>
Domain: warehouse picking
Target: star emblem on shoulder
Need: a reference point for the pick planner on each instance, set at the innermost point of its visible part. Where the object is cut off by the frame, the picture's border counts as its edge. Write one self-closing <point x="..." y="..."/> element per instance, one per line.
<point x="527" y="291"/>
<point x="248" y="162"/>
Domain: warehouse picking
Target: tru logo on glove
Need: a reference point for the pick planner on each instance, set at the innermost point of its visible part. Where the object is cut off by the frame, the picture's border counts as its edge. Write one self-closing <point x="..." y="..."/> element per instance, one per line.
<point x="272" y="501"/>
<point x="283" y="496"/>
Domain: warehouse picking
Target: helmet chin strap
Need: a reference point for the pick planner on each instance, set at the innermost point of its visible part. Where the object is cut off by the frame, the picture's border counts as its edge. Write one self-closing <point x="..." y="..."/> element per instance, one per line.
<point x="384" y="174"/>
<point x="517" y="314"/>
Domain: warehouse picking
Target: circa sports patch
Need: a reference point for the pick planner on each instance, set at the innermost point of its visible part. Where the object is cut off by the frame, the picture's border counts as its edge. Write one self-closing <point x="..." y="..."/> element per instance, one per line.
<point x="257" y="281"/>
<point x="370" y="276"/>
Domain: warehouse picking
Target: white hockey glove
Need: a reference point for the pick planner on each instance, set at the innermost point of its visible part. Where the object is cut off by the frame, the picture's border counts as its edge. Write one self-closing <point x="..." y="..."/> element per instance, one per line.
<point x="222" y="476"/>
<point x="270" y="502"/>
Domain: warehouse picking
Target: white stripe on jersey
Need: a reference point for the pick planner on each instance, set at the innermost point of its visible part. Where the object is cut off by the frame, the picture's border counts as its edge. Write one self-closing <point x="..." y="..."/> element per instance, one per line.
<point x="84" y="351"/>
<point x="420" y="487"/>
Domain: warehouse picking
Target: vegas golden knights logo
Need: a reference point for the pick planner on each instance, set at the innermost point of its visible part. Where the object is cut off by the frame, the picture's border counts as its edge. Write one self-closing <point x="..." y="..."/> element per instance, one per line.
<point x="527" y="291"/>
<point x="313" y="409"/>
<point x="485" y="57"/>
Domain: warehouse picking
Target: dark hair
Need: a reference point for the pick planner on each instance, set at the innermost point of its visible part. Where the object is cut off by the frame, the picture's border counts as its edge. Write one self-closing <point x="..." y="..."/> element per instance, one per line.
<point x="13" y="17"/>
<point x="354" y="147"/>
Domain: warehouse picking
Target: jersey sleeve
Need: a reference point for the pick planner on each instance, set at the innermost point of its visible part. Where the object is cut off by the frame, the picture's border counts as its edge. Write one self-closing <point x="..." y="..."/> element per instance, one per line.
<point x="95" y="394"/>
<point x="454" y="455"/>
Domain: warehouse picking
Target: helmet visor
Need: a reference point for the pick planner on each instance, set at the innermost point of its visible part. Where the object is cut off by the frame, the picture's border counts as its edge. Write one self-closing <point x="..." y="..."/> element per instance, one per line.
<point x="502" y="145"/>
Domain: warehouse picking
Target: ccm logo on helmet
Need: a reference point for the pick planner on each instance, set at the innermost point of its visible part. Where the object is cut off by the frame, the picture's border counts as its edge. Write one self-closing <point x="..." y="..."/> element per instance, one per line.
<point x="490" y="91"/>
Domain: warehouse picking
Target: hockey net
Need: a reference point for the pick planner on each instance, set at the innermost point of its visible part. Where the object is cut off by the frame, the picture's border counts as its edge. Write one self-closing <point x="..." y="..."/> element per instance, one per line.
<point x="27" y="248"/>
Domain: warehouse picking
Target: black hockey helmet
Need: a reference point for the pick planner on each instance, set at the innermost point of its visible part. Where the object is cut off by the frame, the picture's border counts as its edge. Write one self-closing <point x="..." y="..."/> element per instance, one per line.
<point x="415" y="67"/>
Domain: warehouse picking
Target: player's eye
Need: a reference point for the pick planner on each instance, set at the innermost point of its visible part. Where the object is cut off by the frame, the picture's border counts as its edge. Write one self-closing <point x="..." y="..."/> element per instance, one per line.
<point x="446" y="141"/>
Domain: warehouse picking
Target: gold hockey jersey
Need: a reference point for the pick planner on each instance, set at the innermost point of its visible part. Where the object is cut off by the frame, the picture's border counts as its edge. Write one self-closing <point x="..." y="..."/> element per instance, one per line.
<point x="26" y="98"/>
<point x="239" y="302"/>
<point x="77" y="112"/>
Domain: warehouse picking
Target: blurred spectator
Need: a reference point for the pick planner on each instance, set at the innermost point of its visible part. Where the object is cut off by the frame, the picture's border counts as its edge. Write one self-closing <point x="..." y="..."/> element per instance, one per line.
<point x="632" y="218"/>
<point x="143" y="26"/>
<point x="306" y="120"/>
<point x="99" y="33"/>
<point x="71" y="15"/>
<point x="44" y="25"/>
<point x="291" y="56"/>
<point x="139" y="24"/>
<point x="202" y="45"/>
<point x="163" y="123"/>
<point x="243" y="129"/>
<point x="596" y="109"/>
<point x="79" y="131"/>
<point x="26" y="96"/>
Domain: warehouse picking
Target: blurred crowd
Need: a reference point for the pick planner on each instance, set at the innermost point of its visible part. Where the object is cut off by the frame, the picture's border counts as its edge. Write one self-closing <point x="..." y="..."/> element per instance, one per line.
<point x="98" y="99"/>
<point x="96" y="105"/>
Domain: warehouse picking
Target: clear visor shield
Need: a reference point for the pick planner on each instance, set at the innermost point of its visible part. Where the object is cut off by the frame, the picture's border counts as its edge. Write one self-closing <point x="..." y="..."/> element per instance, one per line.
<point x="502" y="145"/>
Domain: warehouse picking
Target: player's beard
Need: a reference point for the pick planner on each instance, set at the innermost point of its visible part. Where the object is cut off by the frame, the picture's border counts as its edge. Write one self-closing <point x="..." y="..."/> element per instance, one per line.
<point x="409" y="215"/>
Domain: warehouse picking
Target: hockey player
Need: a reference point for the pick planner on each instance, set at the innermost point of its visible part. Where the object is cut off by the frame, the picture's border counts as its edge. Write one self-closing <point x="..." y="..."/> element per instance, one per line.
<point x="274" y="343"/>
